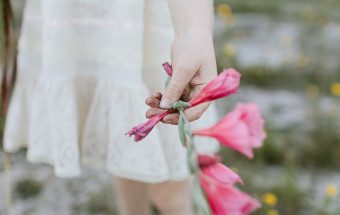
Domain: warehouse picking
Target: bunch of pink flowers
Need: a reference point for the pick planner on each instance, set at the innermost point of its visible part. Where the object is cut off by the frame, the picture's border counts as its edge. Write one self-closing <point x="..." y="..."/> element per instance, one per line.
<point x="241" y="130"/>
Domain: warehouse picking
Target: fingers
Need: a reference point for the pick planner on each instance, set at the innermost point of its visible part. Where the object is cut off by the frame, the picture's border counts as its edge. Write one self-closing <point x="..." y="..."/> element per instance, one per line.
<point x="171" y="119"/>
<point x="153" y="112"/>
<point x="196" y="112"/>
<point x="192" y="114"/>
<point x="152" y="102"/>
<point x="180" y="78"/>
<point x="157" y="95"/>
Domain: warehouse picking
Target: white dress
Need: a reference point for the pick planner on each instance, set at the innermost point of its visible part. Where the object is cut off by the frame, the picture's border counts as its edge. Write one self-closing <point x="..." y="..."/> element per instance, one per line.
<point x="85" y="68"/>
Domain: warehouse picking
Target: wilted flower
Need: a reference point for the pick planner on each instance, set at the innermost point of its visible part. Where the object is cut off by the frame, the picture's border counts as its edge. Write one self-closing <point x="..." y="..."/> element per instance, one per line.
<point x="211" y="167"/>
<point x="142" y="130"/>
<point x="241" y="130"/>
<point x="223" y="85"/>
<point x="226" y="199"/>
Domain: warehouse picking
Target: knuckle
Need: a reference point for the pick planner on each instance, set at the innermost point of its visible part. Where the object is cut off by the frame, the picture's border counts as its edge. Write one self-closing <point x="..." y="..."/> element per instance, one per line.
<point x="166" y="121"/>
<point x="196" y="115"/>
<point x="174" y="122"/>
<point x="184" y="67"/>
<point x="149" y="113"/>
<point x="147" y="100"/>
<point x="173" y="91"/>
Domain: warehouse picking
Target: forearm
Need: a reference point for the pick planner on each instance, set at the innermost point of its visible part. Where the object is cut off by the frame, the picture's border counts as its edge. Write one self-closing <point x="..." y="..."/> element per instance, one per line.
<point x="188" y="15"/>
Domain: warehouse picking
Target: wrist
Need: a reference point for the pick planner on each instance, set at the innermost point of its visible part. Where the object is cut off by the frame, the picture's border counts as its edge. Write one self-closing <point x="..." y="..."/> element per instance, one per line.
<point x="190" y="15"/>
<point x="195" y="31"/>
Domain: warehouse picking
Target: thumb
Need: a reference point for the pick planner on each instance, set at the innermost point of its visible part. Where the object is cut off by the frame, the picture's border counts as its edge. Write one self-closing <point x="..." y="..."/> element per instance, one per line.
<point x="176" y="87"/>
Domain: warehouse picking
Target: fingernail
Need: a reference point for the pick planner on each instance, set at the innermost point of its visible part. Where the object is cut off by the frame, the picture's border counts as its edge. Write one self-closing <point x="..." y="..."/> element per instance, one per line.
<point x="165" y="103"/>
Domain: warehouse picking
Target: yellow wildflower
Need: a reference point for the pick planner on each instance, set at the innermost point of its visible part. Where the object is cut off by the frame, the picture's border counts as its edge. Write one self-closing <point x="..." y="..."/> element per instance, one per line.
<point x="269" y="199"/>
<point x="229" y="50"/>
<point x="312" y="91"/>
<point x="332" y="190"/>
<point x="224" y="11"/>
<point x="273" y="212"/>
<point x="335" y="89"/>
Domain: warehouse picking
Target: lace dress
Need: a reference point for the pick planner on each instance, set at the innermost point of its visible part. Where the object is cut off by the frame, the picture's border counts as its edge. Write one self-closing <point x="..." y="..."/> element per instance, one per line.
<point x="85" y="68"/>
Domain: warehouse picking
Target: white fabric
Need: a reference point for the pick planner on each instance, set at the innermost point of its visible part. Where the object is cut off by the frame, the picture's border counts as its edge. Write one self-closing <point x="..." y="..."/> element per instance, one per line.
<point x="85" y="68"/>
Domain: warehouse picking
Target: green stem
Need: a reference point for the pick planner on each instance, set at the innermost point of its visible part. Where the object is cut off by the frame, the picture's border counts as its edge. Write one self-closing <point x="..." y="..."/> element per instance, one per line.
<point x="193" y="164"/>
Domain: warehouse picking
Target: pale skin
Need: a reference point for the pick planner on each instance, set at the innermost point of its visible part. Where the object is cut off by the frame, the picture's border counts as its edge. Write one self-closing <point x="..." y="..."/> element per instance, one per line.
<point x="192" y="58"/>
<point x="194" y="65"/>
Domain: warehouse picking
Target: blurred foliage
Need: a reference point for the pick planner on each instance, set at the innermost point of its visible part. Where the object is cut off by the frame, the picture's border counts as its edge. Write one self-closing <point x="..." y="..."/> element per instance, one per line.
<point x="318" y="147"/>
<point x="290" y="195"/>
<point x="323" y="149"/>
<point x="303" y="8"/>
<point x="101" y="202"/>
<point x="311" y="70"/>
<point x="27" y="188"/>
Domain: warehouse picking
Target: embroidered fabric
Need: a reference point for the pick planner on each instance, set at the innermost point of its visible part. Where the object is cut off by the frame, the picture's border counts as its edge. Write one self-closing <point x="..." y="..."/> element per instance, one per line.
<point x="85" y="68"/>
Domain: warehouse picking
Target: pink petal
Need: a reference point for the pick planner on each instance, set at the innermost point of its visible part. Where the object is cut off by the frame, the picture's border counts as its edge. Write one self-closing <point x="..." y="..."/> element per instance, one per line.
<point x="142" y="130"/>
<point x="241" y="129"/>
<point x="168" y="68"/>
<point x="223" y="85"/>
<point x="227" y="200"/>
<point x="207" y="160"/>
<point x="221" y="174"/>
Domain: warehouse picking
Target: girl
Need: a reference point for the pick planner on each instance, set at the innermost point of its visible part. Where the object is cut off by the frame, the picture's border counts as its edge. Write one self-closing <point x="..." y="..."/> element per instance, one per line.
<point x="85" y="68"/>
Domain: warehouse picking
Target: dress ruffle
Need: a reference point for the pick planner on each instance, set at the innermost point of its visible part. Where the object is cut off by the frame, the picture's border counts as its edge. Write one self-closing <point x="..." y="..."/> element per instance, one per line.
<point x="84" y="71"/>
<point x="67" y="130"/>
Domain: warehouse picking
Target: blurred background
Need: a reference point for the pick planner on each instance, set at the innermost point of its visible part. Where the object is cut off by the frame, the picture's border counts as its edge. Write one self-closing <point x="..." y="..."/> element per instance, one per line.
<point x="288" y="53"/>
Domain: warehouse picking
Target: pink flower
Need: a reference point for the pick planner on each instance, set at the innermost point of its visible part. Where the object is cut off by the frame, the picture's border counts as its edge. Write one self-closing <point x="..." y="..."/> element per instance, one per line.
<point x="223" y="85"/>
<point x="207" y="160"/>
<point x="241" y="130"/>
<point x="217" y="181"/>
<point x="211" y="167"/>
<point x="142" y="130"/>
<point x="168" y="69"/>
<point x="226" y="199"/>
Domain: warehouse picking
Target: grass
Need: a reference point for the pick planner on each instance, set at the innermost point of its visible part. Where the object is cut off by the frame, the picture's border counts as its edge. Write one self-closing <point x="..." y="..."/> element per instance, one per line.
<point x="285" y="9"/>
<point x="27" y="188"/>
<point x="101" y="202"/>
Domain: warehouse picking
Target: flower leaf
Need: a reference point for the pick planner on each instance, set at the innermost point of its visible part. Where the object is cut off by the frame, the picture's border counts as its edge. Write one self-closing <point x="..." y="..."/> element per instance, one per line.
<point x="180" y="104"/>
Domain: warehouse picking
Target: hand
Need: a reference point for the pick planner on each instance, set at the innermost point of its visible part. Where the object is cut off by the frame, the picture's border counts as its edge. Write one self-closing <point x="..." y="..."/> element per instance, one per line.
<point x="194" y="65"/>
<point x="191" y="114"/>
